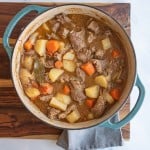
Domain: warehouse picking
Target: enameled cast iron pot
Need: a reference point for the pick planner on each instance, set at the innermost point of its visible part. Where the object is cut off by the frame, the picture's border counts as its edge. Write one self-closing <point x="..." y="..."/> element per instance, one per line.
<point x="45" y="13"/>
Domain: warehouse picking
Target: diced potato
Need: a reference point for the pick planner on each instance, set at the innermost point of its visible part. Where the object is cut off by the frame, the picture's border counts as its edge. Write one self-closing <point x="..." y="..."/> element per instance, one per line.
<point x="92" y="91"/>
<point x="106" y="43"/>
<point x="69" y="65"/>
<point x="28" y="62"/>
<point x="45" y="26"/>
<point x="69" y="55"/>
<point x="63" y="98"/>
<point x="40" y="47"/>
<point x="108" y="98"/>
<point x="25" y="76"/>
<point x="90" y="116"/>
<point x="57" y="104"/>
<point x="73" y="116"/>
<point x="61" y="46"/>
<point x="32" y="92"/>
<point x="102" y="81"/>
<point x="55" y="73"/>
<point x="33" y="37"/>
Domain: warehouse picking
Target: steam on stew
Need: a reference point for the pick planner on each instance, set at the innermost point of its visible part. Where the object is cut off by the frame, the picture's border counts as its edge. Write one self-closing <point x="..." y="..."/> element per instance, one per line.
<point x="73" y="68"/>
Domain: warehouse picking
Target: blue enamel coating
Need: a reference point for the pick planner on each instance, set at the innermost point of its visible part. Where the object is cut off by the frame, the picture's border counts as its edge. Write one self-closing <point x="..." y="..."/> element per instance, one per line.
<point x="133" y="112"/>
<point x="14" y="21"/>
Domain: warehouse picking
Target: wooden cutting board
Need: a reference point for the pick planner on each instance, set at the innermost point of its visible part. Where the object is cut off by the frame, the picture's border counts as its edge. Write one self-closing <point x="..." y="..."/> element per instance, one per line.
<point x="15" y="119"/>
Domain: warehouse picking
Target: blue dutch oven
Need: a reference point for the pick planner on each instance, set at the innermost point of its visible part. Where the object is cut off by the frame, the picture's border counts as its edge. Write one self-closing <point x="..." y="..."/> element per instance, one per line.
<point x="45" y="13"/>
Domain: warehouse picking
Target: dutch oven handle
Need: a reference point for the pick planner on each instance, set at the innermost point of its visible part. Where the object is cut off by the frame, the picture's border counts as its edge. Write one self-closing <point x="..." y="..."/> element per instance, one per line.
<point x="14" y="21"/>
<point x="133" y="112"/>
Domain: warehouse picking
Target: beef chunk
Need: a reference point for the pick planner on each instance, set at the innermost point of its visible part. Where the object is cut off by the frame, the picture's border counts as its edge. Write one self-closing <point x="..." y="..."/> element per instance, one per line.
<point x="45" y="98"/>
<point x="52" y="114"/>
<point x="84" y="55"/>
<point x="77" y="91"/>
<point x="80" y="74"/>
<point x="90" y="37"/>
<point x="93" y="26"/>
<point x="54" y="24"/>
<point x="49" y="64"/>
<point x="99" y="54"/>
<point x="99" y="107"/>
<point x="69" y="110"/>
<point x="77" y="39"/>
<point x="64" y="78"/>
<point x="100" y="65"/>
<point x="63" y="32"/>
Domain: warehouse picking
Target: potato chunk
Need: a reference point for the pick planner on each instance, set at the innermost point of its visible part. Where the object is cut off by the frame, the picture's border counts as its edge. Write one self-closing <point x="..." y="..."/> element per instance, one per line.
<point x="25" y="76"/>
<point x="28" y="62"/>
<point x="92" y="91"/>
<point x="32" y="92"/>
<point x="40" y="47"/>
<point x="69" y="65"/>
<point x="102" y="81"/>
<point x="106" y="43"/>
<point x="69" y="55"/>
<point x="57" y="104"/>
<point x="108" y="98"/>
<point x="73" y="116"/>
<point x="55" y="73"/>
<point x="66" y="99"/>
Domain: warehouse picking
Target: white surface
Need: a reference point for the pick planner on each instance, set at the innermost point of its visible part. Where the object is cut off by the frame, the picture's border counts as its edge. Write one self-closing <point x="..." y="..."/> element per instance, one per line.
<point x="140" y="125"/>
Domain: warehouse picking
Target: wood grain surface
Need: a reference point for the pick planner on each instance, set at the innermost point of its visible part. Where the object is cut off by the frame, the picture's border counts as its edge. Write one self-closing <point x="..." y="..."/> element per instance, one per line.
<point x="15" y="119"/>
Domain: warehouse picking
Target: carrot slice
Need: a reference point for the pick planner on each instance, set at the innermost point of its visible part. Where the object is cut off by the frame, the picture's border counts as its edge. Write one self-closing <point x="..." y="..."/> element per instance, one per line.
<point x="115" y="53"/>
<point x="58" y="64"/>
<point x="89" y="103"/>
<point x="66" y="89"/>
<point x="88" y="68"/>
<point x="46" y="88"/>
<point x="115" y="93"/>
<point x="52" y="46"/>
<point x="28" y="45"/>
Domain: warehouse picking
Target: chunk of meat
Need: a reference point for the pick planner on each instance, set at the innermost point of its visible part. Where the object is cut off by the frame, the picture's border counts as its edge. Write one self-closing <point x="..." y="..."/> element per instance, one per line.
<point x="49" y="64"/>
<point x="99" y="54"/>
<point x="93" y="26"/>
<point x="100" y="65"/>
<point x="64" y="19"/>
<point x="63" y="32"/>
<point x="55" y="27"/>
<point x="69" y="110"/>
<point x="77" y="39"/>
<point x="80" y="74"/>
<point x="64" y="78"/>
<point x="99" y="107"/>
<point x="77" y="91"/>
<point x="84" y="55"/>
<point x="45" y="98"/>
<point x="90" y="37"/>
<point x="52" y="36"/>
<point x="53" y="113"/>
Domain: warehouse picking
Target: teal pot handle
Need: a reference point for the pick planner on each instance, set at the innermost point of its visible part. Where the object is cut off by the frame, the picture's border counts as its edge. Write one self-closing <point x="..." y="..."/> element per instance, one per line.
<point x="14" y="21"/>
<point x="133" y="112"/>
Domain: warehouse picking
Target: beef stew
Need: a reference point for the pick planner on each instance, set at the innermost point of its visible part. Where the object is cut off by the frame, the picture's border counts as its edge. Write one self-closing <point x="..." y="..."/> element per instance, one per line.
<point x="73" y="68"/>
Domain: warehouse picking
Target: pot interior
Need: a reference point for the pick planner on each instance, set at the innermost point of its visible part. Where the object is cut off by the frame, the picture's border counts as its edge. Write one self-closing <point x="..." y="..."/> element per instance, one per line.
<point x="74" y="9"/>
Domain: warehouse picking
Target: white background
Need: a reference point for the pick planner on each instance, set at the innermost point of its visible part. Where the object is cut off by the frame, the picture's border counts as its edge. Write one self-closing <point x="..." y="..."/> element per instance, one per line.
<point x="140" y="125"/>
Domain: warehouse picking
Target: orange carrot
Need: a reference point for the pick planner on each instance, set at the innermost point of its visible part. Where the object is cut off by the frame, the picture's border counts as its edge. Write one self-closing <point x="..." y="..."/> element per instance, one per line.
<point x="115" y="93"/>
<point x="52" y="46"/>
<point x="66" y="89"/>
<point x="89" y="103"/>
<point x="115" y="53"/>
<point x="28" y="45"/>
<point x="88" y="68"/>
<point x="46" y="88"/>
<point x="58" y="64"/>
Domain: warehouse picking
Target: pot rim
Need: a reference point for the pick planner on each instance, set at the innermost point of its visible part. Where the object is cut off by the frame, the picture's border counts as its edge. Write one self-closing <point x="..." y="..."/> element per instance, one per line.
<point x="131" y="87"/>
